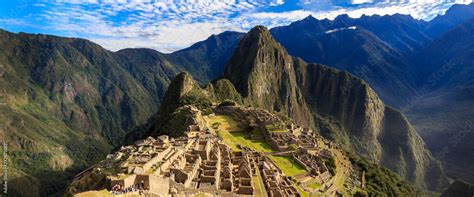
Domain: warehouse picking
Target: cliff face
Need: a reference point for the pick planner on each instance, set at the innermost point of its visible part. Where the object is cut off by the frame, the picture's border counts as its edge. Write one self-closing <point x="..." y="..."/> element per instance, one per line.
<point x="348" y="100"/>
<point x="335" y="103"/>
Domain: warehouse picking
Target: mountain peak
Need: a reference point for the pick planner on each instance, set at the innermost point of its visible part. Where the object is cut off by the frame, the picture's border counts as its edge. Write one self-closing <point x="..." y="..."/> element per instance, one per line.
<point x="258" y="29"/>
<point x="179" y="86"/>
<point x="309" y="18"/>
<point x="342" y="17"/>
<point x="259" y="33"/>
<point x="257" y="38"/>
<point x="454" y="16"/>
<point x="257" y="55"/>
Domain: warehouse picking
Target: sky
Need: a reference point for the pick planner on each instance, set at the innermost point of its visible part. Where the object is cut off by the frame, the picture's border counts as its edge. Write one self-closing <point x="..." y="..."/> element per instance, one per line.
<point x="170" y="25"/>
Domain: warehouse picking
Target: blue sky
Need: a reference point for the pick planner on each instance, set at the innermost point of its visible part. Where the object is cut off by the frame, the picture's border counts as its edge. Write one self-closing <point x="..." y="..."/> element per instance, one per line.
<point x="169" y="25"/>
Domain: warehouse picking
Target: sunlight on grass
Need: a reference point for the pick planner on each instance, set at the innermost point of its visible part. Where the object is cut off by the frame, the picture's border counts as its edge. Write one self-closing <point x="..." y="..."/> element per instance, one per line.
<point x="276" y="128"/>
<point x="226" y="123"/>
<point x="301" y="191"/>
<point x="314" y="185"/>
<point x="288" y="165"/>
<point x="233" y="139"/>
<point x="230" y="131"/>
<point x="258" y="184"/>
<point x="100" y="193"/>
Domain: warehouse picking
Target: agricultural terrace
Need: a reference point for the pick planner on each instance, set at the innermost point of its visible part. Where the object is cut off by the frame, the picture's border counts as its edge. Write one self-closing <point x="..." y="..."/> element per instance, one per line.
<point x="288" y="165"/>
<point x="232" y="134"/>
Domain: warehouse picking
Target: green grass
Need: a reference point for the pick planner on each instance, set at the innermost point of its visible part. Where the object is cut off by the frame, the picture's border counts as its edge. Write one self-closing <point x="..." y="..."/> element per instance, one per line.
<point x="258" y="185"/>
<point x="288" y="165"/>
<point x="103" y="193"/>
<point x="301" y="191"/>
<point x="233" y="139"/>
<point x="230" y="131"/>
<point x="276" y="128"/>
<point x="225" y="123"/>
<point x="314" y="185"/>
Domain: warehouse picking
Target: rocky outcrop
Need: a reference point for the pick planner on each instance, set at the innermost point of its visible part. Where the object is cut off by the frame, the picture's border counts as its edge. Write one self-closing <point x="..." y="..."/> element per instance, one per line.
<point x="346" y="107"/>
<point x="176" y="113"/>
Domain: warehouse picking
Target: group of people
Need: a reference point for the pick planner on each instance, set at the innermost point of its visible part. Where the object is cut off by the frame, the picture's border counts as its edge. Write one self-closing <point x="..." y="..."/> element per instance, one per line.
<point x="119" y="188"/>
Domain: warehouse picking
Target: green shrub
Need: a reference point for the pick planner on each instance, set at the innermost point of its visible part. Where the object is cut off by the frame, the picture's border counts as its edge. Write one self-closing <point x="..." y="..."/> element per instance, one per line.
<point x="227" y="103"/>
<point x="360" y="193"/>
<point x="331" y="165"/>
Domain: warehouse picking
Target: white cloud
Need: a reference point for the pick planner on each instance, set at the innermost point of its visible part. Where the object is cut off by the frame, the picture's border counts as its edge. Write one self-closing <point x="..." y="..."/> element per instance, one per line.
<point x="169" y="25"/>
<point x="356" y="2"/>
<point x="340" y="29"/>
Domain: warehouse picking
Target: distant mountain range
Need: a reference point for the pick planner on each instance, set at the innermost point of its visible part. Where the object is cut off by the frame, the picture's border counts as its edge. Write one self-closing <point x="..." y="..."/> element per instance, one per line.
<point x="66" y="102"/>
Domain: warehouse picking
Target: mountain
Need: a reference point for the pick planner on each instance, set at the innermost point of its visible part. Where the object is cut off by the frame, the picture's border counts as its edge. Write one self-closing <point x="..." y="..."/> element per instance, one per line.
<point x="149" y="67"/>
<point x="454" y="16"/>
<point x="260" y="69"/>
<point x="447" y="61"/>
<point x="206" y="59"/>
<point x="446" y="80"/>
<point x="337" y="104"/>
<point x="361" y="47"/>
<point x="459" y="189"/>
<point x="65" y="102"/>
<point x="402" y="32"/>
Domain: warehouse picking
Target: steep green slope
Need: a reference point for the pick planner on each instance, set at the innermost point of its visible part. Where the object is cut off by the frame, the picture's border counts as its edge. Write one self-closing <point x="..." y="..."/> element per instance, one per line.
<point x="381" y="181"/>
<point x="149" y="67"/>
<point x="206" y="60"/>
<point x="64" y="103"/>
<point x="344" y="107"/>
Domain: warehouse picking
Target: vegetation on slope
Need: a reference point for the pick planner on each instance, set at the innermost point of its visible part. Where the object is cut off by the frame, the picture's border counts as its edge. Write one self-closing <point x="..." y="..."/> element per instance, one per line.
<point x="64" y="104"/>
<point x="380" y="181"/>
